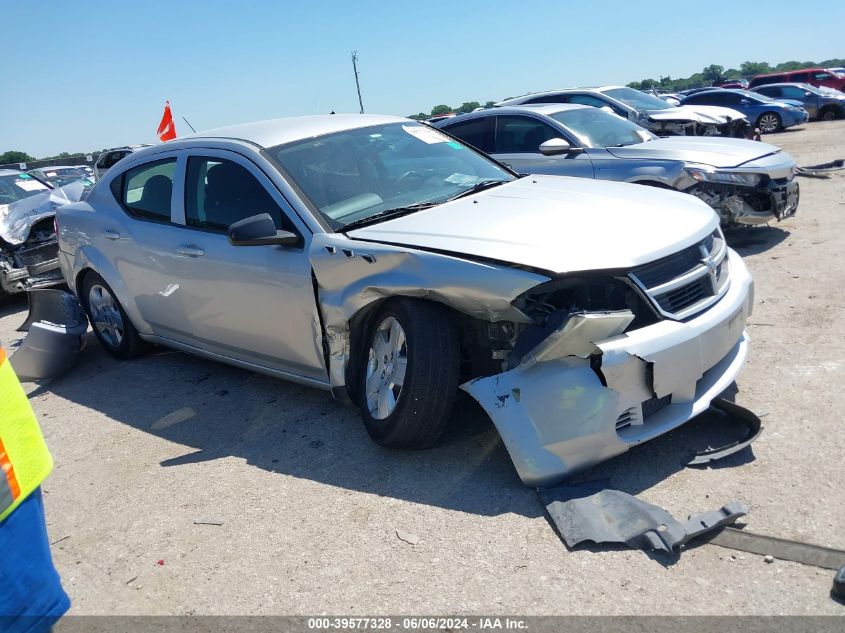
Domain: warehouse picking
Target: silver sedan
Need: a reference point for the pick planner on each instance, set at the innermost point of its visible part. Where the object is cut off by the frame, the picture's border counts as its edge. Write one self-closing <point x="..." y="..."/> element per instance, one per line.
<point x="383" y="260"/>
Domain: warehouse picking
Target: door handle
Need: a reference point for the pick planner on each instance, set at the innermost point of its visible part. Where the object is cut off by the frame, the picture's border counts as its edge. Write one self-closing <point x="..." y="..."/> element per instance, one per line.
<point x="190" y="251"/>
<point x="111" y="234"/>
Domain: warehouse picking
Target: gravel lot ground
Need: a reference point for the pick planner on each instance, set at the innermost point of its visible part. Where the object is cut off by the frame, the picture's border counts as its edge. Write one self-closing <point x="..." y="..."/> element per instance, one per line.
<point x="149" y="450"/>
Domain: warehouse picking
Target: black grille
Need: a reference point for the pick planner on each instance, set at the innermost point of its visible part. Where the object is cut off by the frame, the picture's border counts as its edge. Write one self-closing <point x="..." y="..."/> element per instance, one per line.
<point x="668" y="268"/>
<point x="677" y="300"/>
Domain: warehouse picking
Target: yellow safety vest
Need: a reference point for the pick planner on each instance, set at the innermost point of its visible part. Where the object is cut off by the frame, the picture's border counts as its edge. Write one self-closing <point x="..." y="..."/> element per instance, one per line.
<point x="24" y="458"/>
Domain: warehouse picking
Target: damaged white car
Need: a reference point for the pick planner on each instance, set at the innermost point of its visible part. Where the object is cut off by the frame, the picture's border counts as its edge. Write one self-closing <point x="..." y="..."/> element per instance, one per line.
<point x="28" y="248"/>
<point x="380" y="259"/>
<point x="648" y="111"/>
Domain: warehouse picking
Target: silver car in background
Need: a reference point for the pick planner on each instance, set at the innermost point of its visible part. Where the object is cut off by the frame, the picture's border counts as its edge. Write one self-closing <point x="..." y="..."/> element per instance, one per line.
<point x="648" y="111"/>
<point x="746" y="182"/>
<point x="380" y="259"/>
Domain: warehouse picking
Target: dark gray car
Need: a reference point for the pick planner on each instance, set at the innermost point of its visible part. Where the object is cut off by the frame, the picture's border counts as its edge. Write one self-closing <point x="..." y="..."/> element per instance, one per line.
<point x="824" y="104"/>
<point x="746" y="182"/>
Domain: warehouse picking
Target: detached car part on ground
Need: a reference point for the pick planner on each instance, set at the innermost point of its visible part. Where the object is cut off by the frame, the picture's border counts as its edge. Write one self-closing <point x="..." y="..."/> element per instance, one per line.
<point x="28" y="247"/>
<point x="380" y="259"/>
<point x="648" y="111"/>
<point x="745" y="182"/>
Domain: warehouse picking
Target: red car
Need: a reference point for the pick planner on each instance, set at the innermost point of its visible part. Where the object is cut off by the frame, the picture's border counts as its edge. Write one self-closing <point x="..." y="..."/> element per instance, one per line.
<point x="814" y="76"/>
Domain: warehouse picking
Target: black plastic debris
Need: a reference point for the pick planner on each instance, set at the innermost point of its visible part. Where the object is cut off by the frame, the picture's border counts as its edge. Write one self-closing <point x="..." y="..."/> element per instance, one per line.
<point x="822" y="170"/>
<point x="612" y="516"/>
<point x="742" y="416"/>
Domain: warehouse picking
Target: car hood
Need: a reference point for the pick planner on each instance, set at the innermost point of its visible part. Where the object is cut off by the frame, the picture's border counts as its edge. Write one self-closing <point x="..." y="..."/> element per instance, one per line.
<point x="557" y="224"/>
<point x="17" y="218"/>
<point x="706" y="150"/>
<point x="697" y="113"/>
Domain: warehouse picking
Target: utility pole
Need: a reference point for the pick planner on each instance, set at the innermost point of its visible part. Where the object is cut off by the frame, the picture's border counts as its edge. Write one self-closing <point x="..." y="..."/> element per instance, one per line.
<point x="357" y="84"/>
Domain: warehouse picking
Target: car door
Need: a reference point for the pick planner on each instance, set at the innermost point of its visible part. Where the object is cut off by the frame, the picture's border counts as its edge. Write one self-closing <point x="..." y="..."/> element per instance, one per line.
<point x="255" y="304"/>
<point x="517" y="144"/>
<point x="808" y="100"/>
<point x="138" y="236"/>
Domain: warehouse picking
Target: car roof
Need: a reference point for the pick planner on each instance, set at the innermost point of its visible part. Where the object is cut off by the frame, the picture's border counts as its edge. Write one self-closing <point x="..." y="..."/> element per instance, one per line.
<point x="10" y="172"/>
<point x="286" y="130"/>
<point x="540" y="108"/>
<point x="785" y="83"/>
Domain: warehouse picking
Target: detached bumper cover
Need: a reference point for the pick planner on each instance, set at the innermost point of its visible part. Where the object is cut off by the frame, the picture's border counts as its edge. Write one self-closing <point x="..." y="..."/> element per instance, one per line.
<point x="56" y="326"/>
<point x="557" y="414"/>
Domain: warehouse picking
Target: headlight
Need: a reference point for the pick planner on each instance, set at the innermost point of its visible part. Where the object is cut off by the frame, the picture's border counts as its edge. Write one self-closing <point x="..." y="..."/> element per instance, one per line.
<point x="724" y="177"/>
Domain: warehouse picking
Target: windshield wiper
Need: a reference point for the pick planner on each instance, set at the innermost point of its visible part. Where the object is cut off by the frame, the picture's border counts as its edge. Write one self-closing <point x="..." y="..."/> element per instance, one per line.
<point x="479" y="186"/>
<point x="387" y="214"/>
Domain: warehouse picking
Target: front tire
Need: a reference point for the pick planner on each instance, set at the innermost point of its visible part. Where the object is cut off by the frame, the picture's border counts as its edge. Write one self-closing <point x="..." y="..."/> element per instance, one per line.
<point x="408" y="373"/>
<point x="769" y="122"/>
<point x="828" y="114"/>
<point x="111" y="326"/>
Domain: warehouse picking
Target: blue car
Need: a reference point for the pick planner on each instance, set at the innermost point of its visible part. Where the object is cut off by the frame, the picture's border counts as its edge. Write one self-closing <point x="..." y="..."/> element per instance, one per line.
<point x="769" y="115"/>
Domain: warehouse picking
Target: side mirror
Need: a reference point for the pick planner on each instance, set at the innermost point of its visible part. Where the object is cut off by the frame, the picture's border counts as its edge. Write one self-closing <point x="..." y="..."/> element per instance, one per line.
<point x="807" y="94"/>
<point x="259" y="230"/>
<point x="554" y="147"/>
<point x="744" y="101"/>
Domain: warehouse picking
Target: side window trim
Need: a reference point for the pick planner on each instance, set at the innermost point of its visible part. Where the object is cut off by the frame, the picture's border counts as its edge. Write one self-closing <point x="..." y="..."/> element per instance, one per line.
<point x="300" y="228"/>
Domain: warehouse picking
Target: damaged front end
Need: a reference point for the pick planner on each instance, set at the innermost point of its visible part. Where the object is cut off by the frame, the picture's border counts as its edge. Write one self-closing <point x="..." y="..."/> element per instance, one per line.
<point x="752" y="194"/>
<point x="28" y="245"/>
<point x="670" y="338"/>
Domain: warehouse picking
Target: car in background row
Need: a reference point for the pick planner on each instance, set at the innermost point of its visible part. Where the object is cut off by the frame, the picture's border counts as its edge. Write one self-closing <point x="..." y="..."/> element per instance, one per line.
<point x="385" y="261"/>
<point x="813" y="76"/>
<point x="28" y="247"/>
<point x="820" y="103"/>
<point x="744" y="181"/>
<point x="767" y="114"/>
<point x="662" y="118"/>
<point x="108" y="158"/>
<point x="62" y="175"/>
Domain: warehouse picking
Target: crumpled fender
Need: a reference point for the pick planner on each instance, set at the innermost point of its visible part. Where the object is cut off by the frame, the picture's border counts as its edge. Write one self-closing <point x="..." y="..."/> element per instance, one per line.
<point x="352" y="274"/>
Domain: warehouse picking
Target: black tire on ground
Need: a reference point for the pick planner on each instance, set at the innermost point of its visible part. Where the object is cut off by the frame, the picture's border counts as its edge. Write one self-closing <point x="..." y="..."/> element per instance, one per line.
<point x="775" y="125"/>
<point x="430" y="385"/>
<point x="828" y="113"/>
<point x="131" y="344"/>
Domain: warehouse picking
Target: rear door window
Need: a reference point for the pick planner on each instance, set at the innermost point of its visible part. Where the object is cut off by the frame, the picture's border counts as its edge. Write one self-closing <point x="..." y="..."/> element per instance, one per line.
<point x="477" y="132"/>
<point x="771" y="91"/>
<point x="146" y="190"/>
<point x="800" y="77"/>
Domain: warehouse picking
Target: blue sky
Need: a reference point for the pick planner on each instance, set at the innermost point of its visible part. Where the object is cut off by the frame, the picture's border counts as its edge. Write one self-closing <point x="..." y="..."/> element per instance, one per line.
<point x="96" y="73"/>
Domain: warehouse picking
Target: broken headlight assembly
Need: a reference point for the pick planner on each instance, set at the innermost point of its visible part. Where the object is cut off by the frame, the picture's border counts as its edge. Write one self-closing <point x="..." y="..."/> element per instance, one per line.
<point x="552" y="303"/>
<point x="706" y="174"/>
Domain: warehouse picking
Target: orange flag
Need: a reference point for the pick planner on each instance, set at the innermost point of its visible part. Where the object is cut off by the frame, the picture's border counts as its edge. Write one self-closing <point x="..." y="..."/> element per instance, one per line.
<point x="166" y="129"/>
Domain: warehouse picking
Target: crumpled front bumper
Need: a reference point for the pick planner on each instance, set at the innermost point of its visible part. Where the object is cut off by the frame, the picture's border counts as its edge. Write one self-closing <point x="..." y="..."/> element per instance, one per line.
<point x="561" y="413"/>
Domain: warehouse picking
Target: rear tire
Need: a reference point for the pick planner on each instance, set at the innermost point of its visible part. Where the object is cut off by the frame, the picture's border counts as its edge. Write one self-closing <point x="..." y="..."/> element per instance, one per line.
<point x="111" y="326"/>
<point x="408" y="372"/>
<point x="769" y="122"/>
<point x="828" y="114"/>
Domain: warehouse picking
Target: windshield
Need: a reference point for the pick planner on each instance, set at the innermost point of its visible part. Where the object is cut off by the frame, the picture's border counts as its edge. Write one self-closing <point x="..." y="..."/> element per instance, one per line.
<point x="14" y="187"/>
<point x="596" y="128"/>
<point x="637" y="100"/>
<point x="356" y="174"/>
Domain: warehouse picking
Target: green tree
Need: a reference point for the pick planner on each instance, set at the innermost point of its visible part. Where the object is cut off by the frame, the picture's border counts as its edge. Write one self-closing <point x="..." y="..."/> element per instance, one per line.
<point x="489" y="104"/>
<point x="713" y="72"/>
<point x="469" y="106"/>
<point x="749" y="69"/>
<point x="13" y="156"/>
<point x="440" y="109"/>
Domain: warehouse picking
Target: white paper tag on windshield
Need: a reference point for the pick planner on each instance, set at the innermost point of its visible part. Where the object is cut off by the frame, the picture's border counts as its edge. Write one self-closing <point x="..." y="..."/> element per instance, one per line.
<point x="29" y="185"/>
<point x="426" y="134"/>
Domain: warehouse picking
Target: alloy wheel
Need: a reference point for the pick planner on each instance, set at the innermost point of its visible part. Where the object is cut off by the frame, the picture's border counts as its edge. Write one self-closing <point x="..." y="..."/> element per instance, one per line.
<point x="386" y="366"/>
<point x="769" y="123"/>
<point x="105" y="315"/>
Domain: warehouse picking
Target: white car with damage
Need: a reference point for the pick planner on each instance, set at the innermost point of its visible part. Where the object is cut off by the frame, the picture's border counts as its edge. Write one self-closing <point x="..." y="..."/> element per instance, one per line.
<point x="382" y="260"/>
